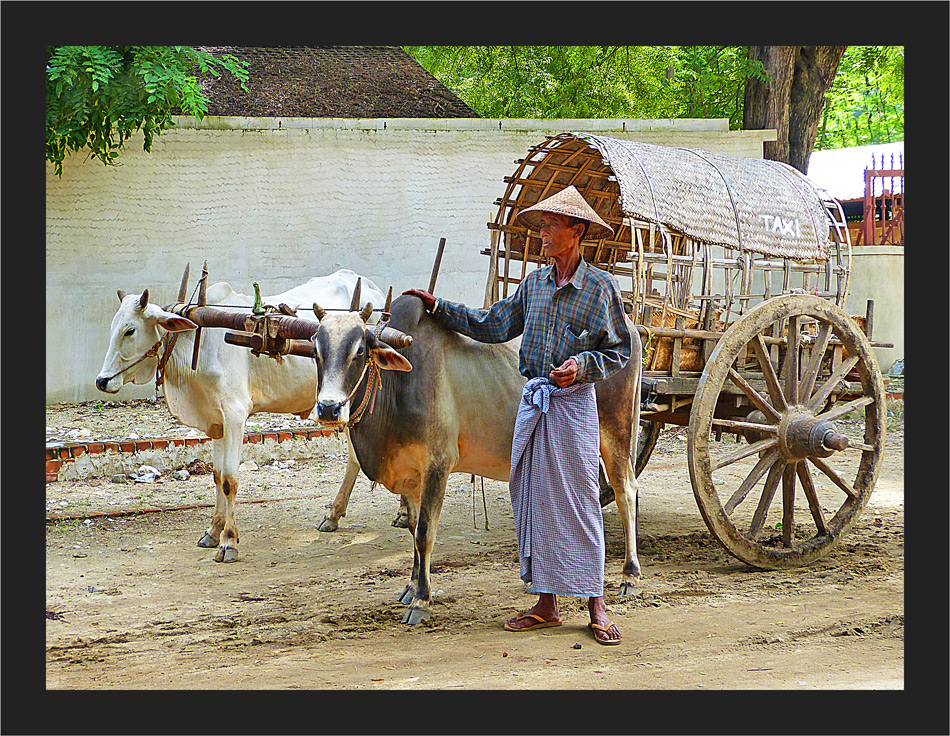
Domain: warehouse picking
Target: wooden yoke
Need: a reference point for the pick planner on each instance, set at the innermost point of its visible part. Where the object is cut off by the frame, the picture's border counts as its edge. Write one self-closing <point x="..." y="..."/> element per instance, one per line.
<point x="274" y="334"/>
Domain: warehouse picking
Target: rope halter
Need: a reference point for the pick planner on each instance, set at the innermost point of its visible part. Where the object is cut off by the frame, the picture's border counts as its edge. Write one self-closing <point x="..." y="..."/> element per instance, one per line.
<point x="150" y="353"/>
<point x="374" y="384"/>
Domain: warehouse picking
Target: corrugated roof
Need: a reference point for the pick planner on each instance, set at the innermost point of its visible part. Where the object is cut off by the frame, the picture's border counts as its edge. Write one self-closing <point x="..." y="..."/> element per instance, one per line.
<point x="840" y="171"/>
<point x="331" y="82"/>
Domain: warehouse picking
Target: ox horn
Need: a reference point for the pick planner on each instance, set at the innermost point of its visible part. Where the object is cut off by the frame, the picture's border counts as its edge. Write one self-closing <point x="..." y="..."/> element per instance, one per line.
<point x="143" y="300"/>
<point x="367" y="311"/>
<point x="122" y="294"/>
<point x="319" y="311"/>
<point x="394" y="338"/>
<point x="389" y="304"/>
<point x="355" y="304"/>
<point x="183" y="289"/>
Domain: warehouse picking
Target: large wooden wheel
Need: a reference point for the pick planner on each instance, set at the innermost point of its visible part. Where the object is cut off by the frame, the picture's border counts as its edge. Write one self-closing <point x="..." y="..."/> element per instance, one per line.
<point x="791" y="436"/>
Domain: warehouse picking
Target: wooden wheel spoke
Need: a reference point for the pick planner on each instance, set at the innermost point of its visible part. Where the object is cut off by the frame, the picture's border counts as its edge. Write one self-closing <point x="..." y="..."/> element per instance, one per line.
<point x="765" y="462"/>
<point x="804" y="475"/>
<point x="736" y="424"/>
<point x="833" y="476"/>
<point x="839" y="410"/>
<point x="744" y="451"/>
<point x="788" y="504"/>
<point x="819" y="398"/>
<point x="814" y="365"/>
<point x="754" y="396"/>
<point x="765" y="500"/>
<point x="789" y="372"/>
<point x="768" y="373"/>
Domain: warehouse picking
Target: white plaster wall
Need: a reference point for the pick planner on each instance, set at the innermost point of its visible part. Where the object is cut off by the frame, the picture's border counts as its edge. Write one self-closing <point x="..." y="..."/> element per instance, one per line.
<point x="877" y="272"/>
<point x="279" y="200"/>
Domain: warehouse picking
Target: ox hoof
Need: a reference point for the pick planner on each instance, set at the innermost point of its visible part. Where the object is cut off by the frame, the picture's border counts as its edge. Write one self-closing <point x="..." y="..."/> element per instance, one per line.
<point x="327" y="525"/>
<point x="415" y="616"/>
<point x="226" y="554"/>
<point x="629" y="587"/>
<point x="401" y="521"/>
<point x="407" y="596"/>
<point x="208" y="541"/>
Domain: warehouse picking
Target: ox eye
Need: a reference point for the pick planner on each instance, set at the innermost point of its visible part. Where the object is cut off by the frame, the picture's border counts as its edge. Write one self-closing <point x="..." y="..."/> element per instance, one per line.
<point x="129" y="331"/>
<point x="359" y="351"/>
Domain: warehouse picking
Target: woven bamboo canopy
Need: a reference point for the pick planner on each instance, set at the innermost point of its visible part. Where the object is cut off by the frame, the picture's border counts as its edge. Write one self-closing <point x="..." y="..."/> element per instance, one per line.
<point x="690" y="208"/>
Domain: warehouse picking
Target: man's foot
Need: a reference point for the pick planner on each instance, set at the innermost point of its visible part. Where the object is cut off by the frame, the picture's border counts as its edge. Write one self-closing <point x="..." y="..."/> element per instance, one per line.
<point x="607" y="634"/>
<point x="541" y="615"/>
<point x="604" y="630"/>
<point x="525" y="621"/>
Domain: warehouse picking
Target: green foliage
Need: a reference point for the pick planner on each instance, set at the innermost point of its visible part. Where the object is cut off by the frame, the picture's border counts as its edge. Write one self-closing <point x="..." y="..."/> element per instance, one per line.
<point x="709" y="81"/>
<point x="98" y="96"/>
<point x="594" y="81"/>
<point x="866" y="102"/>
<point x="553" y="81"/>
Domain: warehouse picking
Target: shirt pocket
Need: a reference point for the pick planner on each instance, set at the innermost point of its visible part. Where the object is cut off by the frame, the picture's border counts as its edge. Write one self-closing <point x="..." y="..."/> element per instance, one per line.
<point x="581" y="342"/>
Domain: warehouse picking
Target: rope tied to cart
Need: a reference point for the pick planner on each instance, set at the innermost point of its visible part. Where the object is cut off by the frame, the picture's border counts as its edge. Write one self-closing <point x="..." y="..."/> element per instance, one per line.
<point x="648" y="347"/>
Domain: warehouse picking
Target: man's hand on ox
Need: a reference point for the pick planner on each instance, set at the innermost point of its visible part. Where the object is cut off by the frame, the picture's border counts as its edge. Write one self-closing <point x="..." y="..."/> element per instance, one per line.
<point x="565" y="375"/>
<point x="427" y="299"/>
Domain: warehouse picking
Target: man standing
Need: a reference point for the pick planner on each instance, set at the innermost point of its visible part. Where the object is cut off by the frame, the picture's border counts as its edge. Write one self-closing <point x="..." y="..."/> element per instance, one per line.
<point x="574" y="334"/>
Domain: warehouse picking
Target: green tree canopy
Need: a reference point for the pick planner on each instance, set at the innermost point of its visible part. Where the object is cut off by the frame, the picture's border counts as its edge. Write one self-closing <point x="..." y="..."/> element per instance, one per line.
<point x="866" y="102"/>
<point x="98" y="96"/>
<point x="864" y="105"/>
<point x="593" y="81"/>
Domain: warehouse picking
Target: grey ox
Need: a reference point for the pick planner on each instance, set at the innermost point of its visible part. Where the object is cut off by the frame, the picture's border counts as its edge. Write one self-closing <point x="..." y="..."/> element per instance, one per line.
<point x="447" y="404"/>
<point x="229" y="383"/>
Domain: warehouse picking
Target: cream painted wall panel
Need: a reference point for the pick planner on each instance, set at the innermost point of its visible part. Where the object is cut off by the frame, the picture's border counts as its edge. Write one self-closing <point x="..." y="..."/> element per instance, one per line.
<point x="277" y="207"/>
<point x="877" y="272"/>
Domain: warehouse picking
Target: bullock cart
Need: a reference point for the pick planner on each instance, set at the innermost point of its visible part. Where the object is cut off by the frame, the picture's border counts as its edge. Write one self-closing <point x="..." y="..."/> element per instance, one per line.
<point x="736" y="273"/>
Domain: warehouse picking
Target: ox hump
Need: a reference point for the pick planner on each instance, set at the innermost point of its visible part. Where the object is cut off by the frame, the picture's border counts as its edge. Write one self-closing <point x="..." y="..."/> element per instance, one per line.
<point x="219" y="292"/>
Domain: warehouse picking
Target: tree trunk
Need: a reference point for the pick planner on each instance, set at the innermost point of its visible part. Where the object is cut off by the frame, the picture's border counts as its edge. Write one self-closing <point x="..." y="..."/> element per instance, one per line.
<point x="766" y="103"/>
<point x="792" y="100"/>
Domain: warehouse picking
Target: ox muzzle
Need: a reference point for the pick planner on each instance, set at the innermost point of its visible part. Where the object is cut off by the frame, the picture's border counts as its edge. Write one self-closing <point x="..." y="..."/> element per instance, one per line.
<point x="330" y="411"/>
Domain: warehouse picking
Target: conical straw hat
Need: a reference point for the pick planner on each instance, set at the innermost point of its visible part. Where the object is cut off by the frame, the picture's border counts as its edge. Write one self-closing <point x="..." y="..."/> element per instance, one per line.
<point x="568" y="202"/>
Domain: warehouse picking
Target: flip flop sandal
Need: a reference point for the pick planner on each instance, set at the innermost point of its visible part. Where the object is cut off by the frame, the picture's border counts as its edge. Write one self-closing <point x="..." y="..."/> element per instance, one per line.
<point x="540" y="623"/>
<point x="600" y="634"/>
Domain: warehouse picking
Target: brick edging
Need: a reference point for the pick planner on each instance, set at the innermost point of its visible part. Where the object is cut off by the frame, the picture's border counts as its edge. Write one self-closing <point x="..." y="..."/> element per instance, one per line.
<point x="58" y="456"/>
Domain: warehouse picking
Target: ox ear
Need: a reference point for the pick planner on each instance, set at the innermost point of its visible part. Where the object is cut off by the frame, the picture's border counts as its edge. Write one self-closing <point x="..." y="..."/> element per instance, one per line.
<point x="386" y="357"/>
<point x="122" y="294"/>
<point x="143" y="300"/>
<point x="174" y="323"/>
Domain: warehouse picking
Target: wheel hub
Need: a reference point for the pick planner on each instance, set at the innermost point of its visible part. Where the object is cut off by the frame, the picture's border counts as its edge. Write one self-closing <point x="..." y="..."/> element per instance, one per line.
<point x="801" y="434"/>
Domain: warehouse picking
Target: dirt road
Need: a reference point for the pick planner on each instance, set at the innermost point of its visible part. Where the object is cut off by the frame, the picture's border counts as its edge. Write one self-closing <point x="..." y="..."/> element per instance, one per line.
<point x="132" y="603"/>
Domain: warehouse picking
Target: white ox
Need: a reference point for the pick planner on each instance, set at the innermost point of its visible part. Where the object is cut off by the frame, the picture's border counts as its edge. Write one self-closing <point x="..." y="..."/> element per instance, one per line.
<point x="229" y="385"/>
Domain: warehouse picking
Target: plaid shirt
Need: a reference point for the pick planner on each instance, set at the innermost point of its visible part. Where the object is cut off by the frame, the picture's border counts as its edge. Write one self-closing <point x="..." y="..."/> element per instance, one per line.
<point x="584" y="320"/>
